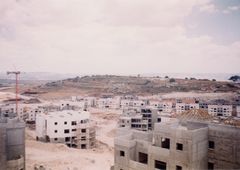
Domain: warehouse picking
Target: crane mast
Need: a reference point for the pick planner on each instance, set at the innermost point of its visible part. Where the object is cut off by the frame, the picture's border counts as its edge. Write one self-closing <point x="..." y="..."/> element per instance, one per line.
<point x="16" y="73"/>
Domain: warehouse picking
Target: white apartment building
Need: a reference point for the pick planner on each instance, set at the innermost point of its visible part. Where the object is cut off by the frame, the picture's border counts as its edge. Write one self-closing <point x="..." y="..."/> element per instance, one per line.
<point x="26" y="112"/>
<point x="32" y="111"/>
<point x="132" y="103"/>
<point x="220" y="110"/>
<point x="89" y="101"/>
<point x="70" y="127"/>
<point x="112" y="103"/>
<point x="182" y="107"/>
<point x="71" y="105"/>
<point x="161" y="106"/>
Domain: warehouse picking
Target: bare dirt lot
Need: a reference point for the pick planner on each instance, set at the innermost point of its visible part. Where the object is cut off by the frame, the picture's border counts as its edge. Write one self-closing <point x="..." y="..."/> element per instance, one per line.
<point x="61" y="157"/>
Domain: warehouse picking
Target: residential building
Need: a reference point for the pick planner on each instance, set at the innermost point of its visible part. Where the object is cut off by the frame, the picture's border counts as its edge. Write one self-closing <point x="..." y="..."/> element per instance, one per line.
<point x="132" y="103"/>
<point x="220" y="110"/>
<point x="109" y="103"/>
<point x="178" y="145"/>
<point x="73" y="128"/>
<point x="162" y="106"/>
<point x="182" y="107"/>
<point x="203" y="105"/>
<point x="142" y="119"/>
<point x="89" y="101"/>
<point x="26" y="112"/>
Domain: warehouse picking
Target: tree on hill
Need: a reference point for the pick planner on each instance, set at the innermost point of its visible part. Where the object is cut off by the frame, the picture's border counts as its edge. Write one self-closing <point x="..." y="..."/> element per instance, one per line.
<point x="234" y="78"/>
<point x="172" y="80"/>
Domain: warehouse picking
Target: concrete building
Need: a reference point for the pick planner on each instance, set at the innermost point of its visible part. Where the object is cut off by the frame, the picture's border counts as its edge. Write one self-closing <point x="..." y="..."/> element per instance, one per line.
<point x="109" y="103"/>
<point x="71" y="105"/>
<point x="162" y="106"/>
<point x="90" y="101"/>
<point x="238" y="111"/>
<point x="178" y="145"/>
<point x="12" y="144"/>
<point x="132" y="103"/>
<point x="10" y="109"/>
<point x="142" y="119"/>
<point x="203" y="105"/>
<point x="26" y="112"/>
<point x="220" y="110"/>
<point x="182" y="107"/>
<point x="70" y="127"/>
<point x="31" y="111"/>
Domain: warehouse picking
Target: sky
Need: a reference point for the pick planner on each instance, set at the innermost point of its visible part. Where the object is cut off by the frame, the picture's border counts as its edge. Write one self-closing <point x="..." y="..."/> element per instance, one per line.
<point x="120" y="36"/>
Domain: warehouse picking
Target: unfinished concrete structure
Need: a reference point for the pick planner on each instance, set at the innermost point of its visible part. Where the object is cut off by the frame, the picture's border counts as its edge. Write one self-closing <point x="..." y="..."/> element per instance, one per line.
<point x="12" y="144"/>
<point x="26" y="112"/>
<point x="178" y="145"/>
<point x="109" y="103"/>
<point x="141" y="119"/>
<point x="162" y="106"/>
<point x="85" y="136"/>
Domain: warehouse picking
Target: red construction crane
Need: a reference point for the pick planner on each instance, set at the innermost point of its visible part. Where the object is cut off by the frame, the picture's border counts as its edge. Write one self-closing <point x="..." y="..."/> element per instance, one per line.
<point x="16" y="74"/>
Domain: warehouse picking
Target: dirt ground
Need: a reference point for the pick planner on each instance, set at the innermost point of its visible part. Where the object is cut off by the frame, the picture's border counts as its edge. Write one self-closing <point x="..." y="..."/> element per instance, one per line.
<point x="61" y="157"/>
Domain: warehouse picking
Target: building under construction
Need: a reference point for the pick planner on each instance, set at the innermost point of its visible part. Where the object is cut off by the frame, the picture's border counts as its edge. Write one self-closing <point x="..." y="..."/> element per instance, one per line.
<point x="12" y="144"/>
<point x="193" y="141"/>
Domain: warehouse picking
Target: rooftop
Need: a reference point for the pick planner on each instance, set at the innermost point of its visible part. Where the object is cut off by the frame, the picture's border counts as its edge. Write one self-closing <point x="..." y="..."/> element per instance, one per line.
<point x="67" y="114"/>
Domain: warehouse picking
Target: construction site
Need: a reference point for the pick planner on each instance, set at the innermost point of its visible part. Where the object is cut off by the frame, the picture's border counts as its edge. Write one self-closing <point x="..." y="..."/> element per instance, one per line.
<point x="187" y="130"/>
<point x="193" y="141"/>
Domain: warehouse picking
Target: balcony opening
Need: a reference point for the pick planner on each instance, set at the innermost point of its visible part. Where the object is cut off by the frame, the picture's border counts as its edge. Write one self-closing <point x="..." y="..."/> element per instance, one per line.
<point x="179" y="146"/>
<point x="165" y="143"/>
<point x="178" y="167"/>
<point x="143" y="158"/>
<point x="122" y="153"/>
<point x="83" y="146"/>
<point x="210" y="166"/>
<point x="160" y="165"/>
<point x="211" y="145"/>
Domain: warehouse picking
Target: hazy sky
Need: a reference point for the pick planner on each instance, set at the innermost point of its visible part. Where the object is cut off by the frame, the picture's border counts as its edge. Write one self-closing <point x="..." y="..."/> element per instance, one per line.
<point x="120" y="36"/>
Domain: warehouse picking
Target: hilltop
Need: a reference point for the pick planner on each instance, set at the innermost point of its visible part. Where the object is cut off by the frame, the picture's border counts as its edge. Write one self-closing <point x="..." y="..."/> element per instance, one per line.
<point x="98" y="85"/>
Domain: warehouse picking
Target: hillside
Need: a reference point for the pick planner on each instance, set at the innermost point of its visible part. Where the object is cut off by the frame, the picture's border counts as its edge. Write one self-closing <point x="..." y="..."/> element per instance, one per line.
<point x="121" y="85"/>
